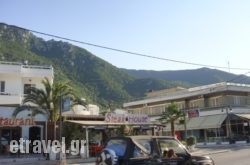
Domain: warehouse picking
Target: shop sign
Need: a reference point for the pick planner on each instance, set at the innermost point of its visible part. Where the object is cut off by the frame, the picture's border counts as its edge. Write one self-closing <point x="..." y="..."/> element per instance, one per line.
<point x="16" y="121"/>
<point x="194" y="113"/>
<point x="126" y="118"/>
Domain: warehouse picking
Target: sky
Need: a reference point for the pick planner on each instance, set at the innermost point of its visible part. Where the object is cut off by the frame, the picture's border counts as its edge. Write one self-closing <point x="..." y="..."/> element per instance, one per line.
<point x="159" y="34"/>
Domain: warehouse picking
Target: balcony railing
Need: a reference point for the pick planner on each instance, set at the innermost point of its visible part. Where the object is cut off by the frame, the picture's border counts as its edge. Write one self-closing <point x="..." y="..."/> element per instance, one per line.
<point x="26" y="70"/>
<point x="10" y="99"/>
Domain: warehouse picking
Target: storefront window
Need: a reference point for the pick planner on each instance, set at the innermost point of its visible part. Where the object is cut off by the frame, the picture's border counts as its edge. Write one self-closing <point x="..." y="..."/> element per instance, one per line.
<point x="7" y="135"/>
<point x="2" y="86"/>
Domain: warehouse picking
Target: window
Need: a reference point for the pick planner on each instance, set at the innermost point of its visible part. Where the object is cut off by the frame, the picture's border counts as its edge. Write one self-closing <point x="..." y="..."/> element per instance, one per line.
<point x="27" y="88"/>
<point x="181" y="105"/>
<point x="193" y="104"/>
<point x="167" y="144"/>
<point x="215" y="102"/>
<point x="2" y="86"/>
<point x="143" y="147"/>
<point x="237" y="100"/>
<point x="118" y="146"/>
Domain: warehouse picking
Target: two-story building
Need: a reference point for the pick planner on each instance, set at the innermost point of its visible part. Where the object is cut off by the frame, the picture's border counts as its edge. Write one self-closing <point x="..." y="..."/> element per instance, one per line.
<point x="15" y="80"/>
<point x="213" y="112"/>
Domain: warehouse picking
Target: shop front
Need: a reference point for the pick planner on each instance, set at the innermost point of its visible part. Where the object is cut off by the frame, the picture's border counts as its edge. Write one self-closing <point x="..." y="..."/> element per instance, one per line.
<point x="13" y="129"/>
<point x="114" y="125"/>
<point x="217" y="128"/>
<point x="7" y="134"/>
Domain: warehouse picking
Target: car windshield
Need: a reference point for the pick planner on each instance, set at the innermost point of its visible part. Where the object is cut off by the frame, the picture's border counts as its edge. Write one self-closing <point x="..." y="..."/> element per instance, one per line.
<point x="144" y="144"/>
<point x="166" y="144"/>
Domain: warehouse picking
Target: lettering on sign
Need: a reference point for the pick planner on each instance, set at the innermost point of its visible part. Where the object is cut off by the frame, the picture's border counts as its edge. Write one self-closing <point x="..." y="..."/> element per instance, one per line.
<point x="16" y="121"/>
<point x="126" y="118"/>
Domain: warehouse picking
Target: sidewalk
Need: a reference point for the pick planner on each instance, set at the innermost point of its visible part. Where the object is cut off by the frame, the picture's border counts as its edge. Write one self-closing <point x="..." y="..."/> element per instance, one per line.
<point x="43" y="161"/>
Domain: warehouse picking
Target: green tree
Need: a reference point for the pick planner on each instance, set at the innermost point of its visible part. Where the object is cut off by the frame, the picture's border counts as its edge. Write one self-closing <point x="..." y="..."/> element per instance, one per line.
<point x="171" y="115"/>
<point x="47" y="101"/>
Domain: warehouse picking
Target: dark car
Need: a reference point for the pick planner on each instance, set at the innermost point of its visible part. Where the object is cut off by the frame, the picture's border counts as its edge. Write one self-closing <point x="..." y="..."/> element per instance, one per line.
<point x="136" y="150"/>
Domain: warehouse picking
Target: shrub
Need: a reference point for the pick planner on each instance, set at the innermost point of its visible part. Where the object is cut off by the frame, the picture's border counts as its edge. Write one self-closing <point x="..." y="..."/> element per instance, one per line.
<point x="191" y="141"/>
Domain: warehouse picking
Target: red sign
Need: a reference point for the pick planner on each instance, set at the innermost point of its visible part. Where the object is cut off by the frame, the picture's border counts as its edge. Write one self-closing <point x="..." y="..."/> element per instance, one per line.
<point x="16" y="121"/>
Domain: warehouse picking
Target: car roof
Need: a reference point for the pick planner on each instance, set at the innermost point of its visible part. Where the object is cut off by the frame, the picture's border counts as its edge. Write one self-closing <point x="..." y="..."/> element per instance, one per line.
<point x="143" y="137"/>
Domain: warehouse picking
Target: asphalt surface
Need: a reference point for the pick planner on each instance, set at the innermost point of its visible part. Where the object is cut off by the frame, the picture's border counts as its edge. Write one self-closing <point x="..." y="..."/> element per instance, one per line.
<point x="39" y="160"/>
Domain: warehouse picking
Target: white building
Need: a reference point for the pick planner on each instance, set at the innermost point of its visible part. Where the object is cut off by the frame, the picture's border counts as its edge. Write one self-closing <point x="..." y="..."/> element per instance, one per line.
<point x="15" y="79"/>
<point x="215" y="111"/>
<point x="79" y="110"/>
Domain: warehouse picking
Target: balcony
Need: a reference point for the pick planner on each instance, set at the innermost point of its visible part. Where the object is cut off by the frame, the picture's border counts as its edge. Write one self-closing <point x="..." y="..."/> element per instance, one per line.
<point x="10" y="99"/>
<point x="37" y="71"/>
<point x="10" y="68"/>
<point x="25" y="70"/>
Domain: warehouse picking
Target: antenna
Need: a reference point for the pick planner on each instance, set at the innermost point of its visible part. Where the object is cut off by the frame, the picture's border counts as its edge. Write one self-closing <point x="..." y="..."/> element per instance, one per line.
<point x="228" y="63"/>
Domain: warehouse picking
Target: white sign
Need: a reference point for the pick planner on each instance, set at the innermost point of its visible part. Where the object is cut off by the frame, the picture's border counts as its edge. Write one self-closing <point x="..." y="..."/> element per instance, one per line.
<point x="127" y="118"/>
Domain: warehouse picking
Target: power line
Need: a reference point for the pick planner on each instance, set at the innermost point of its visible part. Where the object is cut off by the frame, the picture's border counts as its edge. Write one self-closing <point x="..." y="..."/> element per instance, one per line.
<point x="237" y="78"/>
<point x="127" y="52"/>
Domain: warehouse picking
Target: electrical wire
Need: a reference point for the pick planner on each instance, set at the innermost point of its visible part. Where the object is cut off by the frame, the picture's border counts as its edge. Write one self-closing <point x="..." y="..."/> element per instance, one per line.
<point x="125" y="51"/>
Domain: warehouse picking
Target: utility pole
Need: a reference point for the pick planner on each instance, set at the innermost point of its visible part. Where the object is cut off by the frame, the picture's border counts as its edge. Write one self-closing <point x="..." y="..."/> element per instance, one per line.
<point x="228" y="124"/>
<point x="62" y="159"/>
<point x="185" y="125"/>
<point x="60" y="129"/>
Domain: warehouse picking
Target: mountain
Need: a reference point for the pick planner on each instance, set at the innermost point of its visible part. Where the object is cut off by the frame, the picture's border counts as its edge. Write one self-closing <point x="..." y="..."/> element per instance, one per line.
<point x="196" y="77"/>
<point x="93" y="78"/>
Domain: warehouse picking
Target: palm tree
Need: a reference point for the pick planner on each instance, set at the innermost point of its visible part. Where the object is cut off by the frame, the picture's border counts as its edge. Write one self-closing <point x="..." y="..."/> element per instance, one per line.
<point x="47" y="101"/>
<point x="171" y="115"/>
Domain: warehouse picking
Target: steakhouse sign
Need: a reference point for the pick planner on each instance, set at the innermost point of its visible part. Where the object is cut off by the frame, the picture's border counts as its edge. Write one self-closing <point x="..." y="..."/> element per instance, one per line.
<point x="126" y="118"/>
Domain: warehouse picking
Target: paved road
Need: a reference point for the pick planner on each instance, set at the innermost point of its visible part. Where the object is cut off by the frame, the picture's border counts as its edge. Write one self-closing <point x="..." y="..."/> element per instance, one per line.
<point x="233" y="157"/>
<point x="200" y="150"/>
<point x="203" y="150"/>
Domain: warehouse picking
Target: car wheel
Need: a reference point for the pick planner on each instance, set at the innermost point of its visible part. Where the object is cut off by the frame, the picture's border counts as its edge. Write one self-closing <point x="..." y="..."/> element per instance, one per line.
<point x="107" y="157"/>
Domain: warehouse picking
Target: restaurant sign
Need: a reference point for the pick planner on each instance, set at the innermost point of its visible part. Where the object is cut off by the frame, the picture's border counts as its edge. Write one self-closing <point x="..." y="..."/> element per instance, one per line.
<point x="126" y="118"/>
<point x="16" y="121"/>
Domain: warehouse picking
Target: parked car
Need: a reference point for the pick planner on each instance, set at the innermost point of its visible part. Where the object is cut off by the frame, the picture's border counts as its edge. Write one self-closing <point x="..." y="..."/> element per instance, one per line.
<point x="136" y="150"/>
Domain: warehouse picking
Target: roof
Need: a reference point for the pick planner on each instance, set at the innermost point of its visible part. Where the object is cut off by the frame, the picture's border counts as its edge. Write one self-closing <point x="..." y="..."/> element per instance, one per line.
<point x="244" y="115"/>
<point x="191" y="92"/>
<point x="77" y="116"/>
<point x="102" y="123"/>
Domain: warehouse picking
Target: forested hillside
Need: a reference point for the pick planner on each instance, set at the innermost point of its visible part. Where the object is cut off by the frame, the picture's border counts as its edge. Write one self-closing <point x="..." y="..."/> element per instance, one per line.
<point x="93" y="78"/>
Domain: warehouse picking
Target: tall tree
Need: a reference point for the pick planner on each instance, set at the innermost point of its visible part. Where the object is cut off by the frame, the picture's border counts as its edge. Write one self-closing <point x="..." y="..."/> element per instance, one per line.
<point x="171" y="115"/>
<point x="47" y="101"/>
